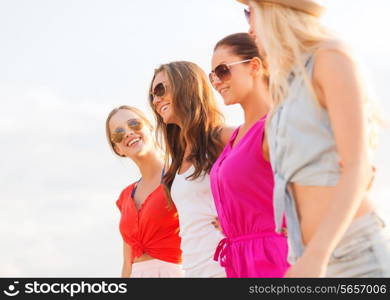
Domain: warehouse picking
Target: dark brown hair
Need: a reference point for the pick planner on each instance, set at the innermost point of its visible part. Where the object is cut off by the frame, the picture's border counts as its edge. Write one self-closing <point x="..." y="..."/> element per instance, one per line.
<point x="244" y="46"/>
<point x="241" y="44"/>
<point x="194" y="104"/>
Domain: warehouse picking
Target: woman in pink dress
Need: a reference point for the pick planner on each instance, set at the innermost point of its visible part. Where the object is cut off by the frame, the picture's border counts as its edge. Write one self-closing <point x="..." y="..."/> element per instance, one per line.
<point x="241" y="178"/>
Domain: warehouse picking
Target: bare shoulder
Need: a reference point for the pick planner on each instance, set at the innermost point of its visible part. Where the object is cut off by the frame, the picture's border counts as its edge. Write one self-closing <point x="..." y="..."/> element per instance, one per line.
<point x="333" y="57"/>
<point x="334" y="62"/>
<point x="334" y="45"/>
<point x="226" y="133"/>
<point x="335" y="73"/>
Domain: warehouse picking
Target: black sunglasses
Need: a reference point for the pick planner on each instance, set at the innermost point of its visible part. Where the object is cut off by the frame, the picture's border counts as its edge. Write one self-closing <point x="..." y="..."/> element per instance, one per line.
<point x="159" y="90"/>
<point x="119" y="133"/>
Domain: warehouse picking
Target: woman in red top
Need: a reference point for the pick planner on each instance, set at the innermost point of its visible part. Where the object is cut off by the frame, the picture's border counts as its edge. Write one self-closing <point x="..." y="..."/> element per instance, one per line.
<point x="149" y="221"/>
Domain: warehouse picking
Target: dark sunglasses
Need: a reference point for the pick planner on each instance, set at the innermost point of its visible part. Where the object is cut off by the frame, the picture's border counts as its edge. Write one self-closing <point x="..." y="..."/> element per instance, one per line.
<point x="119" y="133"/>
<point x="247" y="15"/>
<point x="159" y="90"/>
<point x="222" y="71"/>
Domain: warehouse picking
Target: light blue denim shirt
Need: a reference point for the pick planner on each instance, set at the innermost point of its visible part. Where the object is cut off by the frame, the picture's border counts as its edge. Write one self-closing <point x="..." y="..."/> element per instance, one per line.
<point x="302" y="150"/>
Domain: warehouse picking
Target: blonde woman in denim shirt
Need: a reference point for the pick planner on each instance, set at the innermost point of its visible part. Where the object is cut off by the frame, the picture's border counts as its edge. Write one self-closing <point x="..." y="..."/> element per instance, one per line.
<point x="318" y="144"/>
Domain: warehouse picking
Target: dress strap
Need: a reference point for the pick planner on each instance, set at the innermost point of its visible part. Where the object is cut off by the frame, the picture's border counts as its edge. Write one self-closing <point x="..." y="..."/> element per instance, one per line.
<point x="234" y="135"/>
<point x="162" y="174"/>
<point x="136" y="184"/>
<point x="135" y="188"/>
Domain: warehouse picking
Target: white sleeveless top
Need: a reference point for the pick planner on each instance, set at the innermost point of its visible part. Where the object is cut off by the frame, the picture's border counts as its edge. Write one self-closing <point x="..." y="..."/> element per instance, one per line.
<point x="199" y="238"/>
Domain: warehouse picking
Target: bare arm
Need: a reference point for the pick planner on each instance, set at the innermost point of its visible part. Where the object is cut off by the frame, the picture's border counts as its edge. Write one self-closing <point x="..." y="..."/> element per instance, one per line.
<point x="265" y="147"/>
<point x="338" y="87"/>
<point x="127" y="264"/>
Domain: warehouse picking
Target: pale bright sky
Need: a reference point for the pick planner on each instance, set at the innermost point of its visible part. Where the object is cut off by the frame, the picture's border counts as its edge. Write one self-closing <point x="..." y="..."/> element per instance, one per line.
<point x="65" y="64"/>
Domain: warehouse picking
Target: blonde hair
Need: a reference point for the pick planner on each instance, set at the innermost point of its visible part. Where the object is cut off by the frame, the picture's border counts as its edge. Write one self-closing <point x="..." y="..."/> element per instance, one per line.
<point x="134" y="110"/>
<point x="287" y="37"/>
<point x="143" y="116"/>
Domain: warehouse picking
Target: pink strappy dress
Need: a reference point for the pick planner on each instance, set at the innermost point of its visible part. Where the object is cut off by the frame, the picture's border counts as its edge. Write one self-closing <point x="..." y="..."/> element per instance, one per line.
<point x="242" y="185"/>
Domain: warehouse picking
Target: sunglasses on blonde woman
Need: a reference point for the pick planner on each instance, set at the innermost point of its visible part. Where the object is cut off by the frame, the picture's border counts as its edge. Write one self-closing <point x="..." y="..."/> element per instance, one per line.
<point x="119" y="133"/>
<point x="222" y="71"/>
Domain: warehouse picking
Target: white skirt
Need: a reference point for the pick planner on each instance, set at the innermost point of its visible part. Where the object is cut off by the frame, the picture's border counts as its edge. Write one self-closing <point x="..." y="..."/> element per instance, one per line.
<point x="156" y="268"/>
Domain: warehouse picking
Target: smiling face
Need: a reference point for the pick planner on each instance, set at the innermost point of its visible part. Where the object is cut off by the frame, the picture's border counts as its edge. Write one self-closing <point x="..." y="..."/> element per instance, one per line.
<point x="240" y="82"/>
<point x="130" y="134"/>
<point x="162" y="98"/>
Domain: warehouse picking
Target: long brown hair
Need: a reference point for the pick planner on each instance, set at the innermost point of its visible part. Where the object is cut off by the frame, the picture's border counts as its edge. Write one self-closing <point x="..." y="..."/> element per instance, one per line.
<point x="194" y="104"/>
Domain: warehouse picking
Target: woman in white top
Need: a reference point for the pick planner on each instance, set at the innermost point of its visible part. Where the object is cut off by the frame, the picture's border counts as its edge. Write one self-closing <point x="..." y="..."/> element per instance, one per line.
<point x="194" y="133"/>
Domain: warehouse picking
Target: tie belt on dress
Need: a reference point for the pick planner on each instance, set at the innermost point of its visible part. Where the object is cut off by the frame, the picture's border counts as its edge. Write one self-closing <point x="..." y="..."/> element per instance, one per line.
<point x="223" y="246"/>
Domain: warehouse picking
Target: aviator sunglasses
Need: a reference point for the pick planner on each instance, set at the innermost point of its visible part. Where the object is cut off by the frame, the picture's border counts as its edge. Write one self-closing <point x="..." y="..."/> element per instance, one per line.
<point x="222" y="71"/>
<point x="119" y="133"/>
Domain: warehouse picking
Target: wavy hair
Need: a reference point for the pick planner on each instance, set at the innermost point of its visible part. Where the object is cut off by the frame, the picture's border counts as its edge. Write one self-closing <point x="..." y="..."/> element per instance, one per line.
<point x="287" y="36"/>
<point x="195" y="107"/>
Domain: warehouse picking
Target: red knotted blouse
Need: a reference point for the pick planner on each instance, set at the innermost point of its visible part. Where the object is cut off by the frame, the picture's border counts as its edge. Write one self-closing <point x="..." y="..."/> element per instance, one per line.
<point x="153" y="229"/>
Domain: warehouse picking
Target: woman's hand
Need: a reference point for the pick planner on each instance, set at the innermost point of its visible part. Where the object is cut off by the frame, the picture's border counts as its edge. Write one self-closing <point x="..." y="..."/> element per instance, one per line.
<point x="217" y="225"/>
<point x="127" y="264"/>
<point x="307" y="266"/>
<point x="340" y="93"/>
